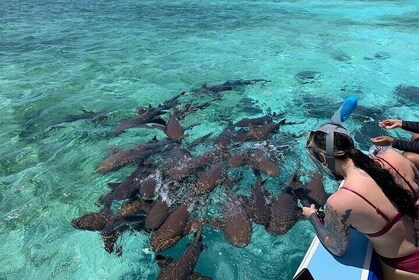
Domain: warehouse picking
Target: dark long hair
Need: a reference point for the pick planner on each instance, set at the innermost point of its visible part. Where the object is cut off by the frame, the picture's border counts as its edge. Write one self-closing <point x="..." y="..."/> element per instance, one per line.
<point x="399" y="196"/>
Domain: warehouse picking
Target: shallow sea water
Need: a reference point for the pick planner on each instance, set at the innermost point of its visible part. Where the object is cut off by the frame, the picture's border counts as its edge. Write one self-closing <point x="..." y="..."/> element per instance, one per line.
<point x="59" y="57"/>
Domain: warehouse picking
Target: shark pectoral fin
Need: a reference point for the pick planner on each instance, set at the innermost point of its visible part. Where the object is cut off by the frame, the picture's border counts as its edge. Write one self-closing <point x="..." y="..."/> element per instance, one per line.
<point x="112" y="185"/>
<point x="102" y="169"/>
<point x="263" y="181"/>
<point x="88" y="112"/>
<point x="158" y="120"/>
<point x="162" y="128"/>
<point x="282" y="122"/>
<point x="110" y="241"/>
<point x="163" y="261"/>
<point x="106" y="210"/>
<point x="153" y="140"/>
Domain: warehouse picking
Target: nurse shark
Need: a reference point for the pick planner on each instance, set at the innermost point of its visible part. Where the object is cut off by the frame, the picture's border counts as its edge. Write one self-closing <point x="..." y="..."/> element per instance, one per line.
<point x="227" y="86"/>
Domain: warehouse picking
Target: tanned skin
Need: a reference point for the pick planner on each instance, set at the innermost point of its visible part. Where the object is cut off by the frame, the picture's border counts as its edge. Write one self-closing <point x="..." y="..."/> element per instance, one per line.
<point x="334" y="234"/>
<point x="345" y="209"/>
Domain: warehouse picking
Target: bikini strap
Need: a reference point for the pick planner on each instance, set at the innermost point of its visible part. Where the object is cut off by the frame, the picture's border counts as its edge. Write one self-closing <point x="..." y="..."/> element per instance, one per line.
<point x="381" y="213"/>
<point x="388" y="226"/>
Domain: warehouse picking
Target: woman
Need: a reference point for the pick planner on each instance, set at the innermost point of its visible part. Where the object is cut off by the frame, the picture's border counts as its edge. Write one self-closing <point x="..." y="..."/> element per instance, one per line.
<point x="410" y="148"/>
<point x="375" y="199"/>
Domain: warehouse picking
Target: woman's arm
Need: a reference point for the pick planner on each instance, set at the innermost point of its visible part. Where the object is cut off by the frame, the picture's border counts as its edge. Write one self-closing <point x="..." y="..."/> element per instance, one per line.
<point x="394" y="123"/>
<point x="403" y="145"/>
<point x="334" y="234"/>
<point x="410" y="126"/>
<point x="407" y="146"/>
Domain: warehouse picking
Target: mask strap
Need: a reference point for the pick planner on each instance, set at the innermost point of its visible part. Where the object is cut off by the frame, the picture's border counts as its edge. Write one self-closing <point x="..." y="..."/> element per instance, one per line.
<point x="330" y="130"/>
<point x="330" y="157"/>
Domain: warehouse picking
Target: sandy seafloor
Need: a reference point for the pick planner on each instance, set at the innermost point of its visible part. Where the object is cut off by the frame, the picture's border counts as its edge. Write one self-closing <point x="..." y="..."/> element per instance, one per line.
<point x="59" y="57"/>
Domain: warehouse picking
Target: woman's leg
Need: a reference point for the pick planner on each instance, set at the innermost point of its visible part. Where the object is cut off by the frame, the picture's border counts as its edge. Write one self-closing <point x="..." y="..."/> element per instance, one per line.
<point x="391" y="273"/>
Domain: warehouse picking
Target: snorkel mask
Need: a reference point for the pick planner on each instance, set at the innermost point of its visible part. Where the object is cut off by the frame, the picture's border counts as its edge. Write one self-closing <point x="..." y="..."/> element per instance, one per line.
<point x="335" y="125"/>
<point x="328" y="165"/>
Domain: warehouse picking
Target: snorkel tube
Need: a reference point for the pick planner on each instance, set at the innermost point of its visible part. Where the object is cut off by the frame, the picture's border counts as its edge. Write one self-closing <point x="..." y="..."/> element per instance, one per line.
<point x="345" y="110"/>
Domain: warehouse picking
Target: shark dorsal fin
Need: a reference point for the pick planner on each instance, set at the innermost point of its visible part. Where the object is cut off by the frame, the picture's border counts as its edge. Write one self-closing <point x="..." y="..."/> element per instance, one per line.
<point x="113" y="185"/>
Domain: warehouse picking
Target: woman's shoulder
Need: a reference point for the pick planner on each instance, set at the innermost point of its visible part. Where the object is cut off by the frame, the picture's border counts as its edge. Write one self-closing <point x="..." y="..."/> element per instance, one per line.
<point x="355" y="185"/>
<point x="393" y="157"/>
<point x="396" y="163"/>
<point x="343" y="196"/>
<point x="388" y="152"/>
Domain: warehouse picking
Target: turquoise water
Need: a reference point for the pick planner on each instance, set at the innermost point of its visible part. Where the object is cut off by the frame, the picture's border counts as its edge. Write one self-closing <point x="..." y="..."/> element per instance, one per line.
<point x="59" y="57"/>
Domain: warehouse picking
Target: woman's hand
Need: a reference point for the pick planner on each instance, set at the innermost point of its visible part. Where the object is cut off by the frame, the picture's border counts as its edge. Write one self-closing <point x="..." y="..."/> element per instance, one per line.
<point x="390" y="124"/>
<point x="307" y="211"/>
<point x="382" y="140"/>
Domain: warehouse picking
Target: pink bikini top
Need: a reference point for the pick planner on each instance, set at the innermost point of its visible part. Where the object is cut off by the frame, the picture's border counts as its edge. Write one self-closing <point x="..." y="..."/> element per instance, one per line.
<point x="390" y="221"/>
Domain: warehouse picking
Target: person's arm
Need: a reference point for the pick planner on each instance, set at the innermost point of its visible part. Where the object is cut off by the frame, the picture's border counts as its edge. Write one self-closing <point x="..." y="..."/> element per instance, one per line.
<point x="394" y="123"/>
<point x="404" y="145"/>
<point x="334" y="234"/>
<point x="410" y="126"/>
<point x="407" y="146"/>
